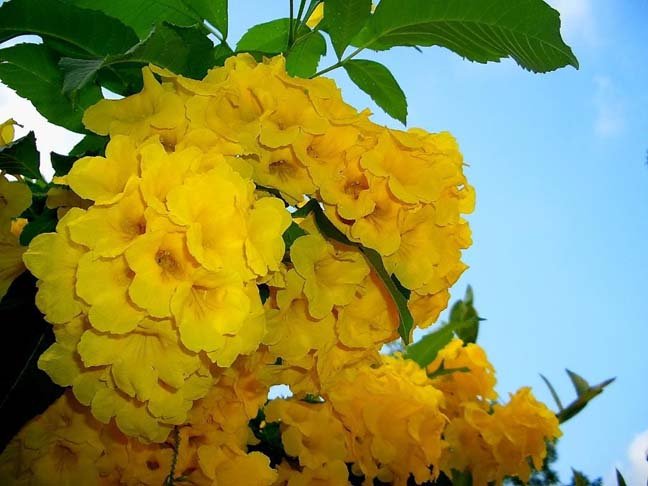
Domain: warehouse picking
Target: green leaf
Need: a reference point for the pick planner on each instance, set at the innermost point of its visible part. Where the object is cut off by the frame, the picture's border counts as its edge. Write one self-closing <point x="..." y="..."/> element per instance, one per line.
<point x="304" y="56"/>
<point x="554" y="394"/>
<point x="88" y="31"/>
<point x="343" y="19"/>
<point x="78" y="72"/>
<point x="378" y="82"/>
<point x="221" y="53"/>
<point x="579" y="479"/>
<point x="21" y="158"/>
<point x="480" y="30"/>
<point x="62" y="163"/>
<point x="142" y="15"/>
<point x="580" y="384"/>
<point x="90" y="145"/>
<point x="32" y="71"/>
<point x="214" y="11"/>
<point x="44" y="223"/>
<point x="269" y="38"/>
<point x="425" y="350"/>
<point x="620" y="479"/>
<point x="329" y="230"/>
<point x="463" y="311"/>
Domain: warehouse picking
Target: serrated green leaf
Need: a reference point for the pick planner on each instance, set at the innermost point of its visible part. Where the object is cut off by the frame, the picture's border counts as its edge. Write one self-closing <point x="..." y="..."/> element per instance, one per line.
<point x="44" y="223"/>
<point x="328" y="229"/>
<point x="213" y="11"/>
<point x="304" y="56"/>
<point x="268" y="38"/>
<point x="142" y="15"/>
<point x="480" y="30"/>
<point x="580" y="384"/>
<point x="21" y="158"/>
<point x="378" y="82"/>
<point x="32" y="71"/>
<point x="78" y="72"/>
<point x="88" y="31"/>
<point x="343" y="19"/>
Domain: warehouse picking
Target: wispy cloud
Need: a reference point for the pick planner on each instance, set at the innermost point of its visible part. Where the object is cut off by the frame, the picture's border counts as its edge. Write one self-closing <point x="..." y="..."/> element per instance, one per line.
<point x="577" y="19"/>
<point x="610" y="109"/>
<point x="635" y="467"/>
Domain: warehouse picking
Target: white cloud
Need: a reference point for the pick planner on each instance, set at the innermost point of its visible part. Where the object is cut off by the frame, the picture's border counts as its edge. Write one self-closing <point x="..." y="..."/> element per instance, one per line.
<point x="577" y="19"/>
<point x="610" y="110"/>
<point x="635" y="467"/>
<point x="49" y="138"/>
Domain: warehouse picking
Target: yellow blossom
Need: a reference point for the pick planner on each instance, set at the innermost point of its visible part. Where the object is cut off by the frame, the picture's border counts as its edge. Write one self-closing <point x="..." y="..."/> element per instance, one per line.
<point x="6" y="132"/>
<point x="15" y="197"/>
<point x="11" y="260"/>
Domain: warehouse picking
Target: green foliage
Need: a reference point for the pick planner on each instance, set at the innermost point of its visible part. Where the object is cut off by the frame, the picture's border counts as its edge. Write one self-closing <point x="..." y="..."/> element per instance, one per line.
<point x="620" y="479"/>
<point x="21" y="158"/>
<point x="32" y="71"/>
<point x="42" y="223"/>
<point x="267" y="38"/>
<point x="305" y="54"/>
<point x="463" y="321"/>
<point x="584" y="394"/>
<point x="479" y="30"/>
<point x="291" y="234"/>
<point x="378" y="82"/>
<point x="343" y="19"/>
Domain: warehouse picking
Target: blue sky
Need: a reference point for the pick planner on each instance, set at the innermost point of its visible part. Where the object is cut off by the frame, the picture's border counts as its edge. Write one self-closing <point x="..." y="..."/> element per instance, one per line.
<point x="559" y="261"/>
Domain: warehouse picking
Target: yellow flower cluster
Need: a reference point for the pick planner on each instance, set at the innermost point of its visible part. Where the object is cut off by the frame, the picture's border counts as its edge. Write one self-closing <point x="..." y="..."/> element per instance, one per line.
<point x="153" y="282"/>
<point x="15" y="197"/>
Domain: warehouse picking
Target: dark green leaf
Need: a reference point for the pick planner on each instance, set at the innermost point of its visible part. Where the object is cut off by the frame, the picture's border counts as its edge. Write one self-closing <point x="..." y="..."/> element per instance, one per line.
<point x="579" y="479"/>
<point x="269" y="38"/>
<point x="343" y="19"/>
<point x="378" y="82"/>
<point x="464" y="312"/>
<point x="480" y="30"/>
<point x="62" y="164"/>
<point x="44" y="223"/>
<point x="291" y="234"/>
<point x="32" y="71"/>
<point x="90" y="145"/>
<point x="142" y="15"/>
<point x="88" y="31"/>
<point x="329" y="230"/>
<point x="21" y="158"/>
<point x="78" y="72"/>
<point x="554" y="394"/>
<point x="214" y="11"/>
<point x="304" y="56"/>
<point x="221" y="53"/>
<point x="620" y="479"/>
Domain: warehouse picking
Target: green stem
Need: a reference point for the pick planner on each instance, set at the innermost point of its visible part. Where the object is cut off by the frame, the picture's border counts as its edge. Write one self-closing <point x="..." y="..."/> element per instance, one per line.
<point x="290" y="23"/>
<point x="300" y="21"/>
<point x="171" y="479"/>
<point x="339" y="63"/>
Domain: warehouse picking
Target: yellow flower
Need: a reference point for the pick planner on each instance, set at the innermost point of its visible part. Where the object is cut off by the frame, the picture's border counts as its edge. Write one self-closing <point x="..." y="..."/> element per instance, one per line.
<point x="62" y="199"/>
<point x="105" y="180"/>
<point x="225" y="466"/>
<point x="331" y="274"/>
<point x="53" y="258"/>
<point x="309" y="431"/>
<point x="475" y="385"/>
<point x="60" y="447"/>
<point x="281" y="169"/>
<point x="418" y="165"/>
<point x="15" y="197"/>
<point x="103" y="284"/>
<point x="333" y="473"/>
<point x="400" y="434"/>
<point x="370" y="319"/>
<point x="292" y="331"/>
<point x="426" y="308"/>
<point x="156" y="110"/>
<point x="110" y="230"/>
<point x="161" y="262"/>
<point x="7" y="132"/>
<point x="264" y="247"/>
